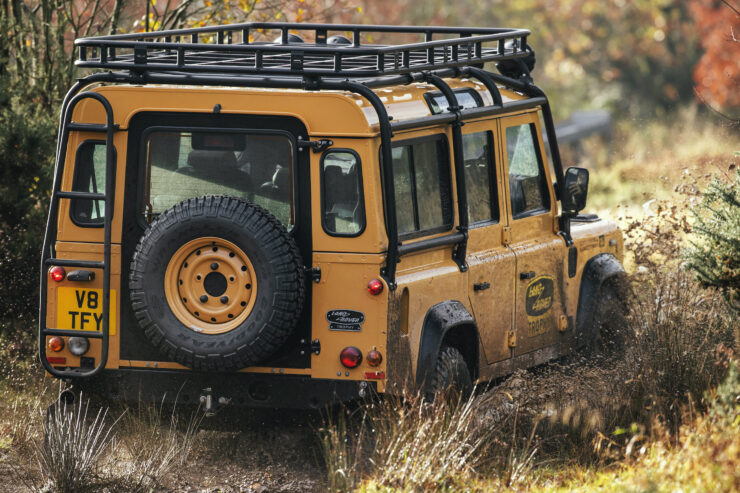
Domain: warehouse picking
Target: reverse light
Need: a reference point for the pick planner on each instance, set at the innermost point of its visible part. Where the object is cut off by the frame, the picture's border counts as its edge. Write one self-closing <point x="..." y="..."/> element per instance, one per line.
<point x="374" y="358"/>
<point x="56" y="344"/>
<point x="375" y="287"/>
<point x="57" y="273"/>
<point x="351" y="357"/>
<point x="78" y="345"/>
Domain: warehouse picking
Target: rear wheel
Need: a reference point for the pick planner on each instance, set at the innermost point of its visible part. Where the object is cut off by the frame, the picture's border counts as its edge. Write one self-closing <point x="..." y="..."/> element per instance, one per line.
<point x="451" y="376"/>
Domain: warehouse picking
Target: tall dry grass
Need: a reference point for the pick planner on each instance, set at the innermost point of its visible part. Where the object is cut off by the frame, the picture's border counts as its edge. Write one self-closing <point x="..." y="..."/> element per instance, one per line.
<point x="409" y="444"/>
<point x="74" y="442"/>
<point x="153" y="442"/>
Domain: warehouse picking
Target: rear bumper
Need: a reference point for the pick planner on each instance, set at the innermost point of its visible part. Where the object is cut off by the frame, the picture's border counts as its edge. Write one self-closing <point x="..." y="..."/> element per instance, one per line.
<point x="239" y="389"/>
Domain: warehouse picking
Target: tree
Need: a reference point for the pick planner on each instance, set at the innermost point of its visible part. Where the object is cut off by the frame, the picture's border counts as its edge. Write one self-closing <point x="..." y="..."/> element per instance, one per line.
<point x="717" y="75"/>
<point x="715" y="255"/>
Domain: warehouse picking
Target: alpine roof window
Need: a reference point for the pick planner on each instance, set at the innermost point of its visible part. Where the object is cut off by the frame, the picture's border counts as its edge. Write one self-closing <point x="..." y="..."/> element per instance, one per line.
<point x="467" y="98"/>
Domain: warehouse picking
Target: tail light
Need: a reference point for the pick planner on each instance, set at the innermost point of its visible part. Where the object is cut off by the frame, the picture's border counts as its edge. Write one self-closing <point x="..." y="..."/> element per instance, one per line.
<point x="374" y="358"/>
<point x="351" y="357"/>
<point x="57" y="273"/>
<point x="57" y="360"/>
<point x="56" y="344"/>
<point x="375" y="287"/>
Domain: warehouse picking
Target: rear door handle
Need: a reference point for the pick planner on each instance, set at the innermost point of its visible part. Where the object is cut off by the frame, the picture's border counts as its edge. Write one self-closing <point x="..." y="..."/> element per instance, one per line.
<point x="527" y="275"/>
<point x="480" y="286"/>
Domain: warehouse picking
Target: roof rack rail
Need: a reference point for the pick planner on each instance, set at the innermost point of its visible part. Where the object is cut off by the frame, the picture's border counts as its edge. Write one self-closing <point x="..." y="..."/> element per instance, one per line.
<point x="230" y="50"/>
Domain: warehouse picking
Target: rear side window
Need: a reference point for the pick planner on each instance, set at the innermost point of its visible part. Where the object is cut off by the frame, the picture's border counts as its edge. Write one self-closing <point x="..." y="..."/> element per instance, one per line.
<point x="421" y="174"/>
<point x="185" y="164"/>
<point x="89" y="177"/>
<point x="527" y="180"/>
<point x="479" y="177"/>
<point x="341" y="200"/>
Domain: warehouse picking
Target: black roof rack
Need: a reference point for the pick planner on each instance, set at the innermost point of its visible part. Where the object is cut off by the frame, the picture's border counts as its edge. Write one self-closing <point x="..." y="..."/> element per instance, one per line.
<point x="228" y="50"/>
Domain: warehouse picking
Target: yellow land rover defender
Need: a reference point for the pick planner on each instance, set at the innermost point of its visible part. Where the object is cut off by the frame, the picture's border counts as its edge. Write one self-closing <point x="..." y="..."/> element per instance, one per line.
<point x="309" y="220"/>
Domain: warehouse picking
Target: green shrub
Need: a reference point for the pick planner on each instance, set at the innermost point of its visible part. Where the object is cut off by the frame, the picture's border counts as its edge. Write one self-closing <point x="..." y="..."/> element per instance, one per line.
<point x="715" y="254"/>
<point x="27" y="147"/>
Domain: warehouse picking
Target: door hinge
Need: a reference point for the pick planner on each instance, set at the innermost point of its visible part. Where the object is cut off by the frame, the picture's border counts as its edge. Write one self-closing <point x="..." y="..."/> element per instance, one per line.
<point x="314" y="272"/>
<point x="563" y="323"/>
<point x="506" y="235"/>
<point x="315" y="145"/>
<point x="511" y="338"/>
<point x="313" y="346"/>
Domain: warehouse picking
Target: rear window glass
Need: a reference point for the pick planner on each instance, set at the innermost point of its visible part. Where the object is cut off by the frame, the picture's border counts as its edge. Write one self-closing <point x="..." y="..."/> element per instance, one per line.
<point x="343" y="210"/>
<point x="185" y="164"/>
<point x="89" y="177"/>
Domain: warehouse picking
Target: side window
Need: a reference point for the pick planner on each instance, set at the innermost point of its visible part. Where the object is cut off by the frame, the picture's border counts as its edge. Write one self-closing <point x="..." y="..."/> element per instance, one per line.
<point x="342" y="204"/>
<point x="527" y="180"/>
<point x="89" y="177"/>
<point x="421" y="173"/>
<point x="482" y="201"/>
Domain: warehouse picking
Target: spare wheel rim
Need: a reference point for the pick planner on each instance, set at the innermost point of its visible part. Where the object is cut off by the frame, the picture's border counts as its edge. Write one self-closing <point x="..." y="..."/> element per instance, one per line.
<point x="210" y="285"/>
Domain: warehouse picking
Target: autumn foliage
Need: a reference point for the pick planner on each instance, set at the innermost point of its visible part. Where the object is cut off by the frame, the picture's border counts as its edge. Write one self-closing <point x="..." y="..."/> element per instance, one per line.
<point x="717" y="75"/>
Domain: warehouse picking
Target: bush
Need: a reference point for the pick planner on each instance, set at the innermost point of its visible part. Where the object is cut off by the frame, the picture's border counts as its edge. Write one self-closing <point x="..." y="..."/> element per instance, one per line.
<point x="715" y="255"/>
<point x="27" y="146"/>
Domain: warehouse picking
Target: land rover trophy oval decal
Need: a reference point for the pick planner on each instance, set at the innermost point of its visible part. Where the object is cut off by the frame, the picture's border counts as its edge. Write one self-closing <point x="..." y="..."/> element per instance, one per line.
<point x="345" y="320"/>
<point x="539" y="296"/>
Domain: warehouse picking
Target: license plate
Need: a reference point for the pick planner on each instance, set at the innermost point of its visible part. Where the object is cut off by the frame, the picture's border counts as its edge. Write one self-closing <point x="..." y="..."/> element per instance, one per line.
<point x="82" y="309"/>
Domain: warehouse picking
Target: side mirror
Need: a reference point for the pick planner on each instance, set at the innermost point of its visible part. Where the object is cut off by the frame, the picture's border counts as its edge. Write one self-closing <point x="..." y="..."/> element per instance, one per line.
<point x="575" y="190"/>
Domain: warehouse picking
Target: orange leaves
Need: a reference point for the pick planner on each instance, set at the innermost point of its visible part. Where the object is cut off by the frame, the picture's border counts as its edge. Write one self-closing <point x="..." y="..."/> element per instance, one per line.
<point x="717" y="75"/>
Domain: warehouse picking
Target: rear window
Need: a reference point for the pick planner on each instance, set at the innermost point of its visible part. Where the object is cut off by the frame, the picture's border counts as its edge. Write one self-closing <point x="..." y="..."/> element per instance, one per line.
<point x="186" y="164"/>
<point x="421" y="175"/>
<point x="341" y="200"/>
<point x="89" y="177"/>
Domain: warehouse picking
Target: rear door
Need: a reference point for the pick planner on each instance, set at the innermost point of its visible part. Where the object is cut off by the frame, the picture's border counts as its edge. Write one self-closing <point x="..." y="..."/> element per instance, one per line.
<point x="539" y="250"/>
<point x="176" y="156"/>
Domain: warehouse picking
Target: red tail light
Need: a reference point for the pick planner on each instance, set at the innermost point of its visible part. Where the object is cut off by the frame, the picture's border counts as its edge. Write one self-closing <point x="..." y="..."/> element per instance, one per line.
<point x="375" y="286"/>
<point x="57" y="360"/>
<point x="375" y="375"/>
<point x="57" y="273"/>
<point x="351" y="357"/>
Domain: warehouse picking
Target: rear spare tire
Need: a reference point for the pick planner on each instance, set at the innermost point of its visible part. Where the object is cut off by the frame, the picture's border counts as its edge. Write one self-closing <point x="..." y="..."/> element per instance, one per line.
<point x="217" y="283"/>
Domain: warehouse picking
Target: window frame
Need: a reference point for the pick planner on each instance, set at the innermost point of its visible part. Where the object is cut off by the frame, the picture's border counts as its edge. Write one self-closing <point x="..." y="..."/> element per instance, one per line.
<point x="322" y="190"/>
<point x="144" y="181"/>
<point x="492" y="182"/>
<point x="438" y="229"/>
<point x="431" y="95"/>
<point x="544" y="189"/>
<point x="76" y="179"/>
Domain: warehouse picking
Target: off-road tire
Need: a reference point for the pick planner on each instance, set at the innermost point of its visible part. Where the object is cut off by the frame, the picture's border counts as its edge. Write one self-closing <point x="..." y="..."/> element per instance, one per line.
<point x="610" y="323"/>
<point x="451" y="375"/>
<point x="274" y="256"/>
